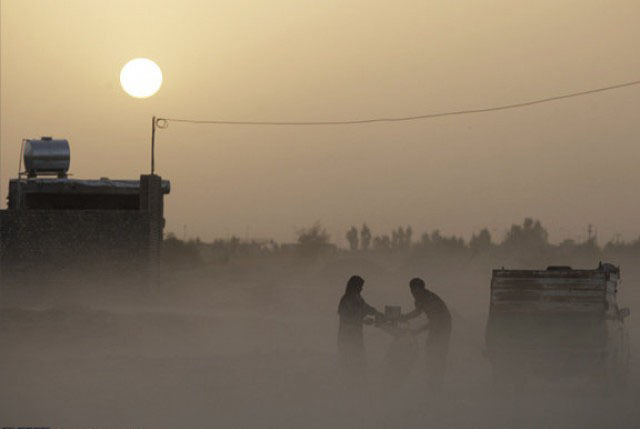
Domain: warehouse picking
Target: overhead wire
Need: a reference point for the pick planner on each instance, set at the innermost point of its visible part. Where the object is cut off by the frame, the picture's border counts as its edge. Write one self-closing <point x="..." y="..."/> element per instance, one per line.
<point x="164" y="122"/>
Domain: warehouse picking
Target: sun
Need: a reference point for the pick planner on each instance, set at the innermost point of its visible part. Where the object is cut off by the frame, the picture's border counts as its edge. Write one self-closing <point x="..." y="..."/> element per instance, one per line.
<point x="141" y="78"/>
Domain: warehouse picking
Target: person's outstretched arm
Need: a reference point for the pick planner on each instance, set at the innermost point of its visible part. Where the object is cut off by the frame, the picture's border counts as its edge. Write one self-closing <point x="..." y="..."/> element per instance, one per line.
<point x="411" y="315"/>
<point x="370" y="310"/>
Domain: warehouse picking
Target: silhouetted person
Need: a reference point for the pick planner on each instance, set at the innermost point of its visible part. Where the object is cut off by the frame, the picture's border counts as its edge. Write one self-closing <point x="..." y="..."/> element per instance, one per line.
<point x="438" y="325"/>
<point x="352" y="311"/>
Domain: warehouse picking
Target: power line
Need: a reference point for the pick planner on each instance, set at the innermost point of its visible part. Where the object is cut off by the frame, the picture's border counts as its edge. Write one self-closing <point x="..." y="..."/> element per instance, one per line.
<point x="163" y="122"/>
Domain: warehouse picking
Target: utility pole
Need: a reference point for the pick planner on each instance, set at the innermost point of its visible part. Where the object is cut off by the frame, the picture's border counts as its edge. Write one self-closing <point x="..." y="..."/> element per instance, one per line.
<point x="589" y="232"/>
<point x="153" y="145"/>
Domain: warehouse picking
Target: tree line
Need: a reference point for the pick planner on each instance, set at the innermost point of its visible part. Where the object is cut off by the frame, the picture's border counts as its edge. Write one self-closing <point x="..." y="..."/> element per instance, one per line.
<point x="525" y="241"/>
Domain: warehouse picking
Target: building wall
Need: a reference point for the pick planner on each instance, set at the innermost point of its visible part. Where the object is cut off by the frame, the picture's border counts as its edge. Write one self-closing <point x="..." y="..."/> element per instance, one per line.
<point x="108" y="241"/>
<point x="66" y="238"/>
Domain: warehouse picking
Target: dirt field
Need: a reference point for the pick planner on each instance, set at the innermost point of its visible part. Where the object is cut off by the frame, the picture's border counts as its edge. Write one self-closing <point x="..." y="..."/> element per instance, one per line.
<point x="231" y="347"/>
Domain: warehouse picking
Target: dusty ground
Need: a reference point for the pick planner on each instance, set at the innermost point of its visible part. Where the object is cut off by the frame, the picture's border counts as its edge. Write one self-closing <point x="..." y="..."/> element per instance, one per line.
<point x="230" y="347"/>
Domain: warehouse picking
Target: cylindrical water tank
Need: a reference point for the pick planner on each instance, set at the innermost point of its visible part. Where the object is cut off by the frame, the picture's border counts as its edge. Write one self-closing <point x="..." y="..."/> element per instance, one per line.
<point x="47" y="156"/>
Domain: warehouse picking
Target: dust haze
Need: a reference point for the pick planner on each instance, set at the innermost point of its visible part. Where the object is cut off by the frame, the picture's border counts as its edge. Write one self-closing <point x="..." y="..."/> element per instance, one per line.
<point x="236" y="324"/>
<point x="243" y="334"/>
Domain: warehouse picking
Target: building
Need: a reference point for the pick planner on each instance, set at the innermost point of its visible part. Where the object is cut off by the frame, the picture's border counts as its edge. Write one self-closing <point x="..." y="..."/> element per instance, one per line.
<point x="61" y="223"/>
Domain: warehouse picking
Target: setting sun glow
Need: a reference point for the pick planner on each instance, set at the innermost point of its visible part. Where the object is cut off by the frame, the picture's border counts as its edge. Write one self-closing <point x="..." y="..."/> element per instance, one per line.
<point x="141" y="78"/>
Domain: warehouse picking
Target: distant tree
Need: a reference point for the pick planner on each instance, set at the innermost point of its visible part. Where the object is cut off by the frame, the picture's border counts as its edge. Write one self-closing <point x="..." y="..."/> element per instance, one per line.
<point x="481" y="242"/>
<point x="352" y="238"/>
<point x="424" y="244"/>
<point x="365" y="237"/>
<point x="312" y="241"/>
<point x="396" y="238"/>
<point x="408" y="235"/>
<point x="530" y="235"/>
<point x="617" y="247"/>
<point x="382" y="243"/>
<point x="401" y="238"/>
<point x="568" y="246"/>
<point x="447" y="245"/>
<point x="234" y="244"/>
<point x="180" y="254"/>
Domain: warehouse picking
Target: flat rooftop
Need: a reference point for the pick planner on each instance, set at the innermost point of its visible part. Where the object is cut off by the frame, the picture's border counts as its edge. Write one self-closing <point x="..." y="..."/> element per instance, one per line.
<point x="82" y="186"/>
<point x="76" y="194"/>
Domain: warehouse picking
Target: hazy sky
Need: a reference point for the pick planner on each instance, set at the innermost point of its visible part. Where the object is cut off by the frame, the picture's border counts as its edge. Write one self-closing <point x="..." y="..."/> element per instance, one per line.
<point x="569" y="163"/>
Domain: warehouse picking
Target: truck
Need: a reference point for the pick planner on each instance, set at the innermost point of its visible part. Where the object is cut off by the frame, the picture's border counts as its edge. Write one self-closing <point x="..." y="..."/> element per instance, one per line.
<point x="557" y="324"/>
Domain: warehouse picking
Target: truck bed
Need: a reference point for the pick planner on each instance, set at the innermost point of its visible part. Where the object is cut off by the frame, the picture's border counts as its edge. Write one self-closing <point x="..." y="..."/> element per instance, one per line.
<point x="554" y="290"/>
